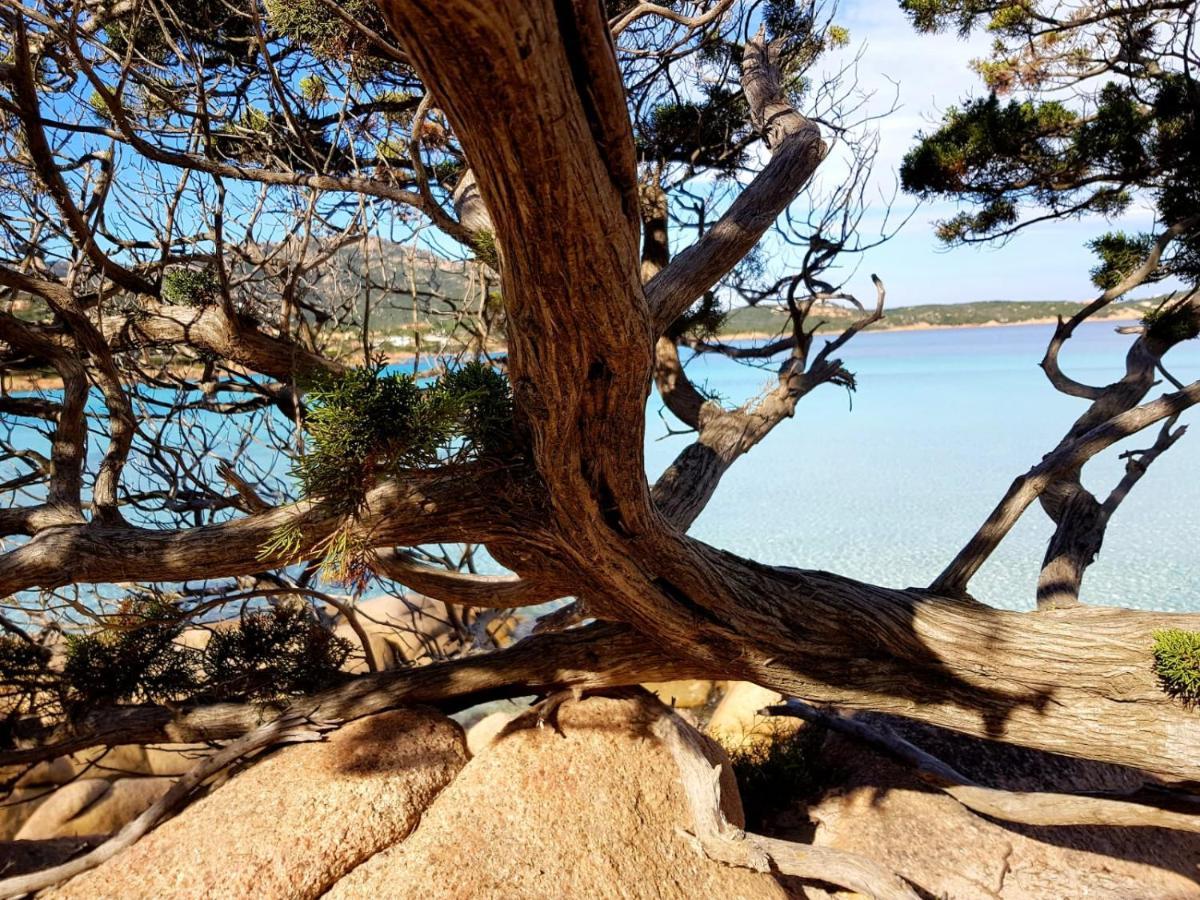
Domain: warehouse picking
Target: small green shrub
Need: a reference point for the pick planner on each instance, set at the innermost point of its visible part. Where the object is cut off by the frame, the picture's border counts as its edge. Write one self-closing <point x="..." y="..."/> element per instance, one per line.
<point x="1177" y="663"/>
<point x="133" y="658"/>
<point x="190" y="287"/>
<point x="273" y="654"/>
<point x="774" y="772"/>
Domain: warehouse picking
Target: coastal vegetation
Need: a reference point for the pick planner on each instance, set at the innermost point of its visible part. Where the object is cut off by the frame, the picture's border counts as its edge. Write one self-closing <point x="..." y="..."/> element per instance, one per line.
<point x="229" y="525"/>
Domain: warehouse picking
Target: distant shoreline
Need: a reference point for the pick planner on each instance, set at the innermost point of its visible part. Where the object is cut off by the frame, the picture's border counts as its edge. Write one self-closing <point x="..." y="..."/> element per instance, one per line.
<point x="33" y="381"/>
<point x="1130" y="316"/>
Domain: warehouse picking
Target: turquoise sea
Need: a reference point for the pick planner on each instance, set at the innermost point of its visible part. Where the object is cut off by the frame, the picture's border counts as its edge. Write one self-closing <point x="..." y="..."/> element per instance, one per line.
<point x="887" y="484"/>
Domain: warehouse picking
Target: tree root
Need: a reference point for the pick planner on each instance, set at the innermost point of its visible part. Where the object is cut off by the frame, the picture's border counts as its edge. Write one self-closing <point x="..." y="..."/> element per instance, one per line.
<point x="717" y="839"/>
<point x="1021" y="807"/>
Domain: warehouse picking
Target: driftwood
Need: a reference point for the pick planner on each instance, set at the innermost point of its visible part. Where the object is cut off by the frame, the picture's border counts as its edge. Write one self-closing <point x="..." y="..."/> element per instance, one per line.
<point x="1022" y="807"/>
<point x="717" y="839"/>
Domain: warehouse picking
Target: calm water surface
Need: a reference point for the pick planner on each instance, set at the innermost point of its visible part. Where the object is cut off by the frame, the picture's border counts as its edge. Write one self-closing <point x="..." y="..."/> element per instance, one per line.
<point x="888" y="487"/>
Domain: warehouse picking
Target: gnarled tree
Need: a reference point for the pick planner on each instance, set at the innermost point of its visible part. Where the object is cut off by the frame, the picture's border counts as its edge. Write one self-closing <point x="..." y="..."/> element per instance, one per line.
<point x="549" y="140"/>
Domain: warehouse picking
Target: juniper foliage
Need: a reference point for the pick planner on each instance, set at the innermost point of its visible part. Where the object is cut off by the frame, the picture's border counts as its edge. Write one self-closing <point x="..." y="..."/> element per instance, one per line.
<point x="1177" y="662"/>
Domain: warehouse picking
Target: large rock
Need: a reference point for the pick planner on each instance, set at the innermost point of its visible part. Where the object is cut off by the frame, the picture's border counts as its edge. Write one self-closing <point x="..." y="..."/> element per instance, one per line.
<point x="292" y="824"/>
<point x="17" y="806"/>
<point x="692" y="693"/>
<point x="122" y="761"/>
<point x="483" y="733"/>
<point x="92" y="806"/>
<point x="735" y="722"/>
<point x="594" y="812"/>
<point x="881" y="810"/>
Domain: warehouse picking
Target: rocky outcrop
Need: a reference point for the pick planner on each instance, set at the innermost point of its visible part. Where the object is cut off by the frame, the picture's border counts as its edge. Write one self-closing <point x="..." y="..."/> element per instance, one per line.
<point x="122" y="761"/>
<point x="483" y="733"/>
<point x="92" y="792"/>
<point x="17" y="806"/>
<point x="735" y="721"/>
<point x="596" y="811"/>
<point x="92" y="806"/>
<point x="692" y="693"/>
<point x="293" y="823"/>
<point x="881" y="810"/>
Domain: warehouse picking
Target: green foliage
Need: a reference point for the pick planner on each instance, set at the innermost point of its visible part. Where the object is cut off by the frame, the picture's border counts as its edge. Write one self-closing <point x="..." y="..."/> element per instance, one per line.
<point x="983" y="147"/>
<point x="838" y="36"/>
<point x="313" y="23"/>
<point x="484" y="244"/>
<point x="773" y="773"/>
<point x="701" y="132"/>
<point x="190" y="287"/>
<point x="961" y="15"/>
<point x="221" y="27"/>
<point x="133" y="658"/>
<point x="367" y="422"/>
<point x="272" y="654"/>
<point x="99" y="108"/>
<point x="1119" y="254"/>
<point x="1177" y="663"/>
<point x="703" y="320"/>
<point x="1139" y="131"/>
<point x="25" y="674"/>
<point x="262" y="137"/>
<point x="1175" y="149"/>
<point x="313" y="88"/>
<point x="1172" y="322"/>
<point x="136" y="656"/>
<point x="448" y="171"/>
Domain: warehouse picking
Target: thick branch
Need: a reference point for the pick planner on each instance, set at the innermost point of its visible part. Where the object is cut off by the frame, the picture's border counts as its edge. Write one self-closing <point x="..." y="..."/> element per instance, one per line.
<point x="1068" y="456"/>
<point x="598" y="655"/>
<point x="797" y="149"/>
<point x="1065" y="329"/>
<point x="430" y="507"/>
<point x="488" y="591"/>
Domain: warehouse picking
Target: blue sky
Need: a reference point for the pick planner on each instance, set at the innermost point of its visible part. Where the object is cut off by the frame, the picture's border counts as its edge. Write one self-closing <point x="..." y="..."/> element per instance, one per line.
<point x="930" y="72"/>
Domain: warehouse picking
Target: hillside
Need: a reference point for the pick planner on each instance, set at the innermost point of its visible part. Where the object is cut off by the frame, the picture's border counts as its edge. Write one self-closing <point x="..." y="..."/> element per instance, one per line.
<point x="770" y="320"/>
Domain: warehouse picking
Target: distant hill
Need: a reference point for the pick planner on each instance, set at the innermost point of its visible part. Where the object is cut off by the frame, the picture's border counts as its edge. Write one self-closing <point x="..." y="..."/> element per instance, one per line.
<point x="772" y="320"/>
<point x="404" y="277"/>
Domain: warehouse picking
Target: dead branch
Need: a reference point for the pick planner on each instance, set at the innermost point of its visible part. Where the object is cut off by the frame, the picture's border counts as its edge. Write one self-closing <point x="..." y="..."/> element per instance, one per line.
<point x="598" y="655"/>
<point x="1022" y="807"/>
<point x="717" y="839"/>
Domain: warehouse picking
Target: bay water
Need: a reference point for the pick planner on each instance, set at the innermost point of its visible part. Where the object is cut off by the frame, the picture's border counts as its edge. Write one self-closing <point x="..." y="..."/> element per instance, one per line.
<point x="886" y="484"/>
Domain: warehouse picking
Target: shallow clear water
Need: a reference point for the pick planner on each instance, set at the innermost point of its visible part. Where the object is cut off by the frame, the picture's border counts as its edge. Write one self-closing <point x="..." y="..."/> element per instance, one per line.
<point x="888" y="488"/>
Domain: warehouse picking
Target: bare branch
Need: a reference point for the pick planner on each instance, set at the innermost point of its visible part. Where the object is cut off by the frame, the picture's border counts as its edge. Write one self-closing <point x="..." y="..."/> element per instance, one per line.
<point x="1027" y="808"/>
<point x="797" y="149"/>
